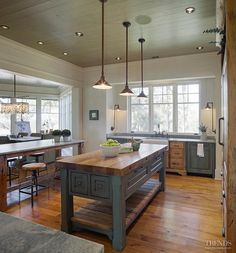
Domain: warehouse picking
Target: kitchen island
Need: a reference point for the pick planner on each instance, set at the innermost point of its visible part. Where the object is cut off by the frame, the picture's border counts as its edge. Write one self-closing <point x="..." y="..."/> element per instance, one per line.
<point x="25" y="149"/>
<point x="121" y="188"/>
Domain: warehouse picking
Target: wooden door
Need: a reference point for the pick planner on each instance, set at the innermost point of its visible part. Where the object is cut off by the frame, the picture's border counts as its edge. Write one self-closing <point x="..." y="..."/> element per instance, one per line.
<point x="230" y="122"/>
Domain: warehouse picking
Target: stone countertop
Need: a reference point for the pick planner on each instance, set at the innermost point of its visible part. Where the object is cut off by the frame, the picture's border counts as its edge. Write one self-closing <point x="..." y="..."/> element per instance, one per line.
<point x="186" y="139"/>
<point x="192" y="140"/>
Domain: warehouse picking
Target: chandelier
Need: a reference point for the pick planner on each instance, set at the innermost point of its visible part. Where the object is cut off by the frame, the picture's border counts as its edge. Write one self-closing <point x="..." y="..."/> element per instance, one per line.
<point x="14" y="107"/>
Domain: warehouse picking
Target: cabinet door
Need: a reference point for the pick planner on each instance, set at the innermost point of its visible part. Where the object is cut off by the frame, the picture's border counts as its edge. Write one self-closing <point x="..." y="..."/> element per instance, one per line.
<point x="201" y="165"/>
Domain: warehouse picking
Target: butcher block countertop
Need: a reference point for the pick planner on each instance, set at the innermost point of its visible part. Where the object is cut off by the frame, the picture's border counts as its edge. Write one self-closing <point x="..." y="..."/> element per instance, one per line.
<point x="118" y="166"/>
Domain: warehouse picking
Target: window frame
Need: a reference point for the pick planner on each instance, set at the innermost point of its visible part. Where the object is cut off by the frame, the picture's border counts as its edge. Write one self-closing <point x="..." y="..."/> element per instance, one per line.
<point x="175" y="84"/>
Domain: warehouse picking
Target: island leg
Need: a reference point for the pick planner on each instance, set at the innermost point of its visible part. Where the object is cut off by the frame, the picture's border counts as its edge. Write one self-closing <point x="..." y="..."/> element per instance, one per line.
<point x="3" y="183"/>
<point x="66" y="203"/>
<point x="118" y="213"/>
<point x="163" y="172"/>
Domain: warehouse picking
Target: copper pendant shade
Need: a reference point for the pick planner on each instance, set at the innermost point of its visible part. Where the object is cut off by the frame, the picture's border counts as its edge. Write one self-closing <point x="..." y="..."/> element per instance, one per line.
<point x="126" y="91"/>
<point x="102" y="84"/>
<point x="142" y="95"/>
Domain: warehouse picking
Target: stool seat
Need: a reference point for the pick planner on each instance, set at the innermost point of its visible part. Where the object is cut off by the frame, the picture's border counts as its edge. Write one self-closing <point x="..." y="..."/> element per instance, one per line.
<point x="62" y="157"/>
<point x="33" y="166"/>
<point x="38" y="154"/>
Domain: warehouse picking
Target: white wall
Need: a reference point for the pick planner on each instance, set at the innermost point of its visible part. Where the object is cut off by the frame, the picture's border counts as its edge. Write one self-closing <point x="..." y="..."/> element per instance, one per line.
<point x="204" y="65"/>
<point x="94" y="131"/>
<point x="18" y="58"/>
<point x="24" y="60"/>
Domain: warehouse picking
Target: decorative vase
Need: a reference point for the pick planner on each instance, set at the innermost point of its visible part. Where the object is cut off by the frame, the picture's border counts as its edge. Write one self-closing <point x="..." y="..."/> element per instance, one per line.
<point x="66" y="138"/>
<point x="57" y="138"/>
<point x="203" y="136"/>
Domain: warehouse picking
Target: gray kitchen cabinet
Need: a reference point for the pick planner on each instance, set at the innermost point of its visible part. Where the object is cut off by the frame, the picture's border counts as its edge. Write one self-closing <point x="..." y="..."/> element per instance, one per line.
<point x="201" y="165"/>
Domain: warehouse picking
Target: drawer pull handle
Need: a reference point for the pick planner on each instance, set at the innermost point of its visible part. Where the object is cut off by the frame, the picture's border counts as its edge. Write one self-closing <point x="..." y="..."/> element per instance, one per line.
<point x="223" y="232"/>
<point x="223" y="194"/>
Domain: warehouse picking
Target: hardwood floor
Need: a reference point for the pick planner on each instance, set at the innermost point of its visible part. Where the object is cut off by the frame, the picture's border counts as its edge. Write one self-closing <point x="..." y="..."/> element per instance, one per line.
<point x="179" y="220"/>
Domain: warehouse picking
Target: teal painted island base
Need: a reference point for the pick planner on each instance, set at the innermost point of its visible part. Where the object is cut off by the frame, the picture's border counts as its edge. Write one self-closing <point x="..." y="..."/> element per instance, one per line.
<point x="120" y="188"/>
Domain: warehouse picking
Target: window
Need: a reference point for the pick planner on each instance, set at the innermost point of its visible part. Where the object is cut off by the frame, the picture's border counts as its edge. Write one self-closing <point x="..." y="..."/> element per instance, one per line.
<point x="31" y="116"/>
<point x="5" y="122"/>
<point x="173" y="108"/>
<point x="50" y="114"/>
<point x="163" y="108"/>
<point x="188" y="108"/>
<point x="139" y="112"/>
<point x="66" y="111"/>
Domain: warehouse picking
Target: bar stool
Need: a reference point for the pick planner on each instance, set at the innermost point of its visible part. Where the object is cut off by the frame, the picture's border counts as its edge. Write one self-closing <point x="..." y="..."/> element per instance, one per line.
<point x="37" y="156"/>
<point x="34" y="186"/>
<point x="11" y="164"/>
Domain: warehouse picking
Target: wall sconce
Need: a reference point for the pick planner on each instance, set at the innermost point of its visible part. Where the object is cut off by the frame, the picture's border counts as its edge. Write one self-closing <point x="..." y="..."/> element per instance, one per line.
<point x="116" y="109"/>
<point x="209" y="106"/>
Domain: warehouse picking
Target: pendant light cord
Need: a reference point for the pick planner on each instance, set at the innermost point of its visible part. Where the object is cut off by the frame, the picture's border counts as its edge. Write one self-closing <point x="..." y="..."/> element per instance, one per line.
<point x="14" y="86"/>
<point x="102" y="38"/>
<point x="142" y="64"/>
<point x="127" y="39"/>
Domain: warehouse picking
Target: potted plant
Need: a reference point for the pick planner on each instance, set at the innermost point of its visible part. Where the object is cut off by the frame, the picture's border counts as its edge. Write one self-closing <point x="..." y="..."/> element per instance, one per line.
<point x="203" y="130"/>
<point x="57" y="135"/>
<point x="66" y="133"/>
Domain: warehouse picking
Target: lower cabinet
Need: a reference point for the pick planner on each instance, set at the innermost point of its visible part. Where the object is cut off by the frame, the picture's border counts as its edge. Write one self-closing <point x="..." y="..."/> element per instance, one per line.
<point x="201" y="165"/>
<point x="177" y="157"/>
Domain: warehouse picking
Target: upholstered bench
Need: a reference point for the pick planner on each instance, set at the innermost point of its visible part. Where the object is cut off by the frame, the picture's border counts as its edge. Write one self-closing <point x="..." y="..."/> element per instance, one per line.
<point x="21" y="236"/>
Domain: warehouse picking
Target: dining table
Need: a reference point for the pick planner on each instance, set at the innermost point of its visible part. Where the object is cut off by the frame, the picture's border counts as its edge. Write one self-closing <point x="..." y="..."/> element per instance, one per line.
<point x="25" y="149"/>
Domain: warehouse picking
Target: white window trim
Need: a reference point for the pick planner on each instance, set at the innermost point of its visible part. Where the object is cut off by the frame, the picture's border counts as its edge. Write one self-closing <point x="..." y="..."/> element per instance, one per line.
<point x="150" y="86"/>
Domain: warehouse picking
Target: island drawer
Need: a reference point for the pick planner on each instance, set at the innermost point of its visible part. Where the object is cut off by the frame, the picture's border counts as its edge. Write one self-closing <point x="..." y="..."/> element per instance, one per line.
<point x="79" y="183"/>
<point x="135" y="179"/>
<point x="156" y="165"/>
<point x="100" y="186"/>
<point x="136" y="175"/>
<point x="91" y="186"/>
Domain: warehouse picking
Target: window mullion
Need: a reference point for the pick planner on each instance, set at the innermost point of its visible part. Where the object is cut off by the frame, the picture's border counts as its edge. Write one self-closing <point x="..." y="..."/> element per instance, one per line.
<point x="150" y="109"/>
<point x="175" y="109"/>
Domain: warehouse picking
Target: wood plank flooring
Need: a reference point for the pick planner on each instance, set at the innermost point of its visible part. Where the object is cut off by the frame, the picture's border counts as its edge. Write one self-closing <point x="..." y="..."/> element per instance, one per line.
<point x="180" y="220"/>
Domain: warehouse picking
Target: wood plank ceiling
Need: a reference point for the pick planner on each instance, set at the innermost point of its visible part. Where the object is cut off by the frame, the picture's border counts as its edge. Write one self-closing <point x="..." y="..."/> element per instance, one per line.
<point x="171" y="31"/>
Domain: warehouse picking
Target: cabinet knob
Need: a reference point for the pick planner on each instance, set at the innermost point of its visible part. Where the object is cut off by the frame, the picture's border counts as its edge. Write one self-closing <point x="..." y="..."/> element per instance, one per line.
<point x="221" y="173"/>
<point x="223" y="232"/>
<point x="223" y="194"/>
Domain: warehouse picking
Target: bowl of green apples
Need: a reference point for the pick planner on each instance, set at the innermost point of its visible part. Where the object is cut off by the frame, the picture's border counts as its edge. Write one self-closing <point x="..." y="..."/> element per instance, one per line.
<point x="110" y="148"/>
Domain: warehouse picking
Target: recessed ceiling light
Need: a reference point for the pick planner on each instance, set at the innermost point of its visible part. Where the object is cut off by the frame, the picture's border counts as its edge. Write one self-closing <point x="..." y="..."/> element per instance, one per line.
<point x="79" y="34"/>
<point x="65" y="53"/>
<point x="155" y="57"/>
<point x="40" y="42"/>
<point x="199" y="48"/>
<point x="5" y="27"/>
<point x="118" y="58"/>
<point x="189" y="10"/>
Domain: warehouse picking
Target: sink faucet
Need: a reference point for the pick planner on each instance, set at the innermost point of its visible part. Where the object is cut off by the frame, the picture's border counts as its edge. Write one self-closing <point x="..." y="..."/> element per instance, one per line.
<point x="159" y="128"/>
<point x="164" y="133"/>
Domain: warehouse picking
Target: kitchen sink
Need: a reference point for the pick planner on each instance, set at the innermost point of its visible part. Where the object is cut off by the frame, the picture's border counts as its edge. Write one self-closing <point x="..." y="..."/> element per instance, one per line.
<point x="155" y="140"/>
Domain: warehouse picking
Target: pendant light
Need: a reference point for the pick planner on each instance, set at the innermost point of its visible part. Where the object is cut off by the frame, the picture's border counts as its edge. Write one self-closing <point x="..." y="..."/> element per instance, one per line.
<point x="126" y="91"/>
<point x="15" y="107"/>
<point x="142" y="95"/>
<point x="102" y="84"/>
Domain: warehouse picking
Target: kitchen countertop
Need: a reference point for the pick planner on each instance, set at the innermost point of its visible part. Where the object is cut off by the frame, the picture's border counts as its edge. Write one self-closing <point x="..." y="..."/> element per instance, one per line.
<point x="119" y="165"/>
<point x="209" y="140"/>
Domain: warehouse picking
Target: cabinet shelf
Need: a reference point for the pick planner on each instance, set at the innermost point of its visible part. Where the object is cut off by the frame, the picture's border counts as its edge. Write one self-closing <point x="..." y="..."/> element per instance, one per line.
<point x="98" y="215"/>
